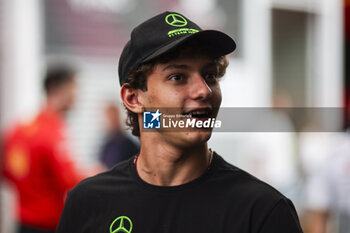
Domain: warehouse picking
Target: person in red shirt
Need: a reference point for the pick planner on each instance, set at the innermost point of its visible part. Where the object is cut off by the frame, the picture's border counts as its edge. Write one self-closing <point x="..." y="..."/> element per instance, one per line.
<point x="36" y="158"/>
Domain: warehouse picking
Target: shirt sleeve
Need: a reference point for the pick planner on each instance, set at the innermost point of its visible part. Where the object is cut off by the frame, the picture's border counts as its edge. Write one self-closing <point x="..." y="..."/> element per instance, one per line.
<point x="282" y="218"/>
<point x="74" y="215"/>
<point x="69" y="221"/>
<point x="66" y="221"/>
<point x="78" y="214"/>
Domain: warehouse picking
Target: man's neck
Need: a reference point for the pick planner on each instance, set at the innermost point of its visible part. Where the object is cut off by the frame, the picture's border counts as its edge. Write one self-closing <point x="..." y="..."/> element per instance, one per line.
<point x="52" y="105"/>
<point x="165" y="165"/>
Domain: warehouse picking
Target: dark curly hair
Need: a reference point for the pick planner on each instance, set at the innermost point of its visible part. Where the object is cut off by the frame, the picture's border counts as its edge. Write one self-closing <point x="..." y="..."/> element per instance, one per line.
<point x="138" y="79"/>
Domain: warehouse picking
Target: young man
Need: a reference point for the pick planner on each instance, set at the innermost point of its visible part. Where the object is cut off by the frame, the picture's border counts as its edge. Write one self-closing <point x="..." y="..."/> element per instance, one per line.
<point x="175" y="184"/>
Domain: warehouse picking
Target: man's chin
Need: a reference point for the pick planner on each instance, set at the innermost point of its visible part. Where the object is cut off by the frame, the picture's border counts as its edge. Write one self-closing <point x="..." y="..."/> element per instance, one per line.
<point x="66" y="108"/>
<point x="197" y="136"/>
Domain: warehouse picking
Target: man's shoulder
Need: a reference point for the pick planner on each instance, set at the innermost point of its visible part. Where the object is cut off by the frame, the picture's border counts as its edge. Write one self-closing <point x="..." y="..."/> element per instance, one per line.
<point x="235" y="180"/>
<point x="116" y="178"/>
<point x="246" y="195"/>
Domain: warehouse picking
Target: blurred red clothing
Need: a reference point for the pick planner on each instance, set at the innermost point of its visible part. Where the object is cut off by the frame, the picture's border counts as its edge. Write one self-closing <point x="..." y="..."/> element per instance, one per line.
<point x="36" y="160"/>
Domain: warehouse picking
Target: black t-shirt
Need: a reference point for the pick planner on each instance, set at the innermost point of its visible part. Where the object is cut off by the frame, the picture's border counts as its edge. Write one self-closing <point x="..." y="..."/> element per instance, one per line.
<point x="224" y="199"/>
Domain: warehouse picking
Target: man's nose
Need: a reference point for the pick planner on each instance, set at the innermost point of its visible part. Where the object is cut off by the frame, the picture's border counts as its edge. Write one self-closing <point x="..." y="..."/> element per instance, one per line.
<point x="199" y="88"/>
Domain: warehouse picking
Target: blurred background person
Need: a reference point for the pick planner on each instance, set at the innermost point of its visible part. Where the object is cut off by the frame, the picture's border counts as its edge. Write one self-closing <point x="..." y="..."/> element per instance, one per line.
<point x="117" y="145"/>
<point x="328" y="189"/>
<point x="36" y="157"/>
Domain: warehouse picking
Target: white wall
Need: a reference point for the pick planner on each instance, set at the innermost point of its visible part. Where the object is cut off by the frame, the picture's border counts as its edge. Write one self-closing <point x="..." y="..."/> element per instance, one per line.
<point x="21" y="76"/>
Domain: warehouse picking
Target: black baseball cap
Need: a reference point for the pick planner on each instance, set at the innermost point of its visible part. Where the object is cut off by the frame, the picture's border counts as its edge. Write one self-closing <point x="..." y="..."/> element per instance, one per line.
<point x="164" y="32"/>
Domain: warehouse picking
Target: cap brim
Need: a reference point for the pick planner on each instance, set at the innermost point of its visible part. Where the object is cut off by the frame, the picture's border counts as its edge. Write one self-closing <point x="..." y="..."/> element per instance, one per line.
<point x="217" y="42"/>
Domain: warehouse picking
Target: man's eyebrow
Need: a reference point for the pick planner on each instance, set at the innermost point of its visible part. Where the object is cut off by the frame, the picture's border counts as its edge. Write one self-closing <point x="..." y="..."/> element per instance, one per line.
<point x="176" y="66"/>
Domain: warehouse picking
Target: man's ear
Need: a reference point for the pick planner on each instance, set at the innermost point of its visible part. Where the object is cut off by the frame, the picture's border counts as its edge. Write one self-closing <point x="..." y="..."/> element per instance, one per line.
<point x="130" y="97"/>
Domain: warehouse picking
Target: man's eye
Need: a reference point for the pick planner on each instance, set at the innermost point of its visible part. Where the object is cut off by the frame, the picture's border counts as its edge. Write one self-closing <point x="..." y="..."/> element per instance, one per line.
<point x="176" y="77"/>
<point x="210" y="76"/>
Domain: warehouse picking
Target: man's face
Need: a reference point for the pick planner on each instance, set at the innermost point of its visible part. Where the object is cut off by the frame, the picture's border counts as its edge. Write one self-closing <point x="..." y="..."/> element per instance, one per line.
<point x="66" y="94"/>
<point x="190" y="86"/>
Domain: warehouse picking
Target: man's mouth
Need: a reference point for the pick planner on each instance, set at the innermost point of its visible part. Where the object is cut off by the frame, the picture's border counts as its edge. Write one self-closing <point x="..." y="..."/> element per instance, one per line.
<point x="200" y="113"/>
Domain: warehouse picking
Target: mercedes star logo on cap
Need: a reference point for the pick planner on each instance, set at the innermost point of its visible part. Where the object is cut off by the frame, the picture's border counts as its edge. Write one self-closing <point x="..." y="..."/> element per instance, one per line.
<point x="176" y="20"/>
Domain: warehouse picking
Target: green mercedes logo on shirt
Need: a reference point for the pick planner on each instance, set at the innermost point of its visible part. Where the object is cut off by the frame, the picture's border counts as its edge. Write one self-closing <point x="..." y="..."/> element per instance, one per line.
<point x="122" y="224"/>
<point x="176" y="20"/>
